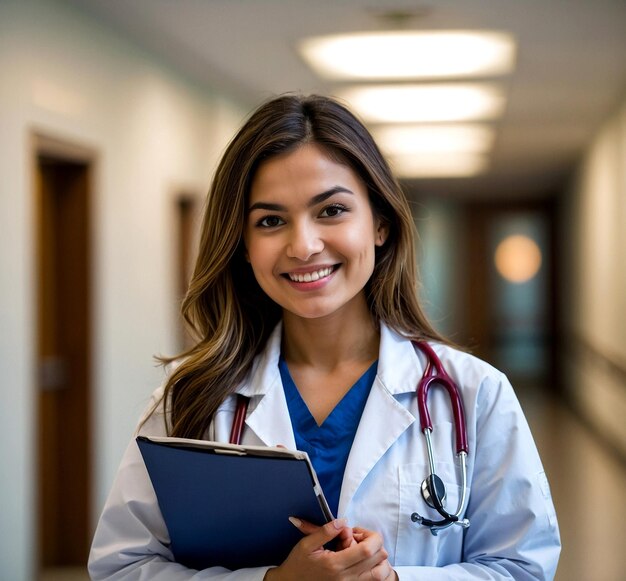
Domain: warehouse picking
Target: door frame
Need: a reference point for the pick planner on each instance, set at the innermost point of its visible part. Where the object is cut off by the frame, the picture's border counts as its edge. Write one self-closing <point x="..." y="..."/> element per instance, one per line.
<point x="44" y="144"/>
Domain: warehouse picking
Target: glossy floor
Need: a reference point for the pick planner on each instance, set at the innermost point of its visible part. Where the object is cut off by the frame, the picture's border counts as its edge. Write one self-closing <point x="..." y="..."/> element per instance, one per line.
<point x="588" y="486"/>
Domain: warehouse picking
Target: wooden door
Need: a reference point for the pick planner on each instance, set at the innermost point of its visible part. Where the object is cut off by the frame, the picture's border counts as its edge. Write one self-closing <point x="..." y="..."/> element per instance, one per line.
<point x="63" y="312"/>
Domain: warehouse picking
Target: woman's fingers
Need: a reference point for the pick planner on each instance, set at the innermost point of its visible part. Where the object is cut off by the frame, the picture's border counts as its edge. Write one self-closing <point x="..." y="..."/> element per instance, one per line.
<point x="345" y="539"/>
<point x="308" y="560"/>
<point x="368" y="560"/>
<point x="359" y="553"/>
<point x="317" y="537"/>
<point x="363" y="556"/>
<point x="383" y="572"/>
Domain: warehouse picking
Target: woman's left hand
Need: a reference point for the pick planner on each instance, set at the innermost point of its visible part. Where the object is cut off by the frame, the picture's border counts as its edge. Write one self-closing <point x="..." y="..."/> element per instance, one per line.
<point x="381" y="572"/>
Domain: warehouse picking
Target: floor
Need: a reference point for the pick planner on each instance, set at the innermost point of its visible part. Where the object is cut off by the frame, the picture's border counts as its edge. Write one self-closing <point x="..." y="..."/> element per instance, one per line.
<point x="588" y="486"/>
<point x="588" y="483"/>
<point x="64" y="574"/>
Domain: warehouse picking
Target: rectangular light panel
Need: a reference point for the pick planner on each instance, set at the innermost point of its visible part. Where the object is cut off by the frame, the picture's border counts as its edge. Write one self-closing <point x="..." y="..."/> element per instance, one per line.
<point x="412" y="103"/>
<point x="396" y="55"/>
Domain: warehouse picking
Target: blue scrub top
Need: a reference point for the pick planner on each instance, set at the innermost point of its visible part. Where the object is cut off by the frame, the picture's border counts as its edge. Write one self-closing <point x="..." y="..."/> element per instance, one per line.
<point x="328" y="445"/>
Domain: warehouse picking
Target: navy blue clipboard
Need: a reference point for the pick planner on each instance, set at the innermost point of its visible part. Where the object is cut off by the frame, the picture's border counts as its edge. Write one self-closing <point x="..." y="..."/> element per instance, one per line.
<point x="227" y="505"/>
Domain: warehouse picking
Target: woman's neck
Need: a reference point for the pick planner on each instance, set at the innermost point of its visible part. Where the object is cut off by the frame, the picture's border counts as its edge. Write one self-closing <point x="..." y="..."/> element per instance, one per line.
<point x="331" y="341"/>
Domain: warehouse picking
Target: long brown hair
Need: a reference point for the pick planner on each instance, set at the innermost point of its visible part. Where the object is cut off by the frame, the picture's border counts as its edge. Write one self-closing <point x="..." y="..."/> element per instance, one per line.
<point x="229" y="314"/>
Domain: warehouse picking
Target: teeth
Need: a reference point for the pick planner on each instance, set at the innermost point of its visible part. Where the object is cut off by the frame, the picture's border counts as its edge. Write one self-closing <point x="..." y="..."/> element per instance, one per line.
<point x="311" y="276"/>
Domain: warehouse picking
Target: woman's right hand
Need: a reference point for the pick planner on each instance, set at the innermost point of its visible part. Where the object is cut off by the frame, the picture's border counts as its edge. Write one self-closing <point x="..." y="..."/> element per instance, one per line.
<point x="360" y="556"/>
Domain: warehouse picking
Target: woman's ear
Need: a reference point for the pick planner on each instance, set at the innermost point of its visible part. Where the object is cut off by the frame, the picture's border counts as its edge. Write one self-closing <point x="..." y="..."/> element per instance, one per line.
<point x="382" y="232"/>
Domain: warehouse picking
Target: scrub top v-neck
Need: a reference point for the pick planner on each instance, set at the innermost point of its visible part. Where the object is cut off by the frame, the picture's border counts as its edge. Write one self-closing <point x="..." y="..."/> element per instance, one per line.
<point x="328" y="445"/>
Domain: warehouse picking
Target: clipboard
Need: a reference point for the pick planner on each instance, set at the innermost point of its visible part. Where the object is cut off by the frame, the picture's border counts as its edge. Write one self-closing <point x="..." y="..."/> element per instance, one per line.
<point x="228" y="505"/>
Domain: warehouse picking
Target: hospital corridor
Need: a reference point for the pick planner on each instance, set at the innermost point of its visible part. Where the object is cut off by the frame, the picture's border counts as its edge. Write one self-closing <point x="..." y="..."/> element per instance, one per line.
<point x="504" y="124"/>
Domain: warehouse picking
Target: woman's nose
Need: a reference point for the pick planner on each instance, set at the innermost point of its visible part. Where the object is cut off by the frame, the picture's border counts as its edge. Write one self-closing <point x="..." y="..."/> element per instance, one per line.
<point x="304" y="241"/>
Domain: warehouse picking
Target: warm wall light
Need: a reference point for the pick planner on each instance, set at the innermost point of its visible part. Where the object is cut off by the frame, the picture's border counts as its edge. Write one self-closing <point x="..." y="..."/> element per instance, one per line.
<point x="409" y="54"/>
<point x="404" y="139"/>
<point x="438" y="165"/>
<point x="518" y="258"/>
<point x="425" y="103"/>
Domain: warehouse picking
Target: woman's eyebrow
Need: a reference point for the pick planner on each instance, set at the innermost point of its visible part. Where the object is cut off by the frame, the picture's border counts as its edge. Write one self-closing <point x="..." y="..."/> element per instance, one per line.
<point x="317" y="199"/>
<point x="267" y="206"/>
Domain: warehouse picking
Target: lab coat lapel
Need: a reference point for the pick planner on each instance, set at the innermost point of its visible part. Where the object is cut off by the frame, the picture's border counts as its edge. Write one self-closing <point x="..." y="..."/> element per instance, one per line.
<point x="382" y="423"/>
<point x="384" y="419"/>
<point x="268" y="415"/>
<point x="270" y="419"/>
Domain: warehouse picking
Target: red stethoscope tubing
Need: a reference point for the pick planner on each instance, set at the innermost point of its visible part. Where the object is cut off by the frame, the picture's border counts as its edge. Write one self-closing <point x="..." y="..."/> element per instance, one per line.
<point x="436" y="374"/>
<point x="239" y="419"/>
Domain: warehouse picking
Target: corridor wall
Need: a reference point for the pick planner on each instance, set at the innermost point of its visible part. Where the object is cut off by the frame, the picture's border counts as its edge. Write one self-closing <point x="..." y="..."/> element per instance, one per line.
<point x="593" y="309"/>
<point x="153" y="133"/>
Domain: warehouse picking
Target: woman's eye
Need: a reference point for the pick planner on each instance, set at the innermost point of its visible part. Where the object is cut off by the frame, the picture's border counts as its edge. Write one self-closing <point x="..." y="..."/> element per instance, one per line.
<point x="270" y="222"/>
<point x="334" y="210"/>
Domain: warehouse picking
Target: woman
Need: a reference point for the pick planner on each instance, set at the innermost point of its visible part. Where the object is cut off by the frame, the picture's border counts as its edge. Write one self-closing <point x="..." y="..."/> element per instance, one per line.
<point x="304" y="299"/>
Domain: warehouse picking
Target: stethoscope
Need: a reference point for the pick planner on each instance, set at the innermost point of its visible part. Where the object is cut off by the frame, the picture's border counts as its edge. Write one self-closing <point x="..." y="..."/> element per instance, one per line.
<point x="432" y="488"/>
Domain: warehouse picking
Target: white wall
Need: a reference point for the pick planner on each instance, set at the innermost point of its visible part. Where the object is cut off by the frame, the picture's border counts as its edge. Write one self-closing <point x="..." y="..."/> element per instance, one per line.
<point x="154" y="134"/>
<point x="594" y="282"/>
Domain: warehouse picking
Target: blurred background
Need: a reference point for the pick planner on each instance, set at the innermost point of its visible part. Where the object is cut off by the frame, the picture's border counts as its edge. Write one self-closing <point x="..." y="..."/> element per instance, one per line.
<point x="506" y="122"/>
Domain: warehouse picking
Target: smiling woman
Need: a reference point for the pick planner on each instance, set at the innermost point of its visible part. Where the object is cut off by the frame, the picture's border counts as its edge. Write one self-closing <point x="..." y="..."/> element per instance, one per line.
<point x="304" y="304"/>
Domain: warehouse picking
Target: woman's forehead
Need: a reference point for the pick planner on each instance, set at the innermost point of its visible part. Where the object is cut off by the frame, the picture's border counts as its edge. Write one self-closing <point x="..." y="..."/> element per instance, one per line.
<point x="307" y="169"/>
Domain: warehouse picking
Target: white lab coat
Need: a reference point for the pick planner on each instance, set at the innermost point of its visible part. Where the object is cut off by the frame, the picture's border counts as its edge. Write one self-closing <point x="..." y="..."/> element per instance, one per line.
<point x="513" y="532"/>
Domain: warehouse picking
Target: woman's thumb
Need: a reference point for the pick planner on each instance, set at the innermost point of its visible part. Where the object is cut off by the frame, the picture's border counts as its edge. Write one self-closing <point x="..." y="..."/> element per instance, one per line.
<point x="318" y="536"/>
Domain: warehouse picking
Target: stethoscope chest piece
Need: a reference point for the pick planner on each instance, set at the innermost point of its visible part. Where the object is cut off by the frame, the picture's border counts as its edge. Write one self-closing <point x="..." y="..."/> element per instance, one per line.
<point x="434" y="491"/>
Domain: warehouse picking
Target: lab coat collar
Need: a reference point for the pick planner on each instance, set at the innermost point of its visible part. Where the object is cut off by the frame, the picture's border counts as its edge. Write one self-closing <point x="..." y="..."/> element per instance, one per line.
<point x="268" y="415"/>
<point x="400" y="367"/>
<point x="264" y="372"/>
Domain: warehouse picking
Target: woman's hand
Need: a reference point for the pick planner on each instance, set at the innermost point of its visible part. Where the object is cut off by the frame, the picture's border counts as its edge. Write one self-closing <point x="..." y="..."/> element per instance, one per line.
<point x="360" y="555"/>
<point x="343" y="540"/>
<point x="384" y="570"/>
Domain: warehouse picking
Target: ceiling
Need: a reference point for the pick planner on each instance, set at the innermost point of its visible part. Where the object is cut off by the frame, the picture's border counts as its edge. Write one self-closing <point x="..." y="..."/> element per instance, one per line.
<point x="570" y="73"/>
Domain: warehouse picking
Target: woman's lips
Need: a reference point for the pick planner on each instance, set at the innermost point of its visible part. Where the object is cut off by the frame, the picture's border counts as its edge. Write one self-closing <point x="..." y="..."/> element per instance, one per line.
<point x="311" y="279"/>
<point x="311" y="276"/>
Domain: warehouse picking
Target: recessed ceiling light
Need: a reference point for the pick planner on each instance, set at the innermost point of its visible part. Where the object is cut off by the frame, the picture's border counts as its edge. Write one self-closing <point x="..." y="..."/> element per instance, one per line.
<point x="410" y="54"/>
<point x="403" y="139"/>
<point x="425" y="103"/>
<point x="438" y="165"/>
